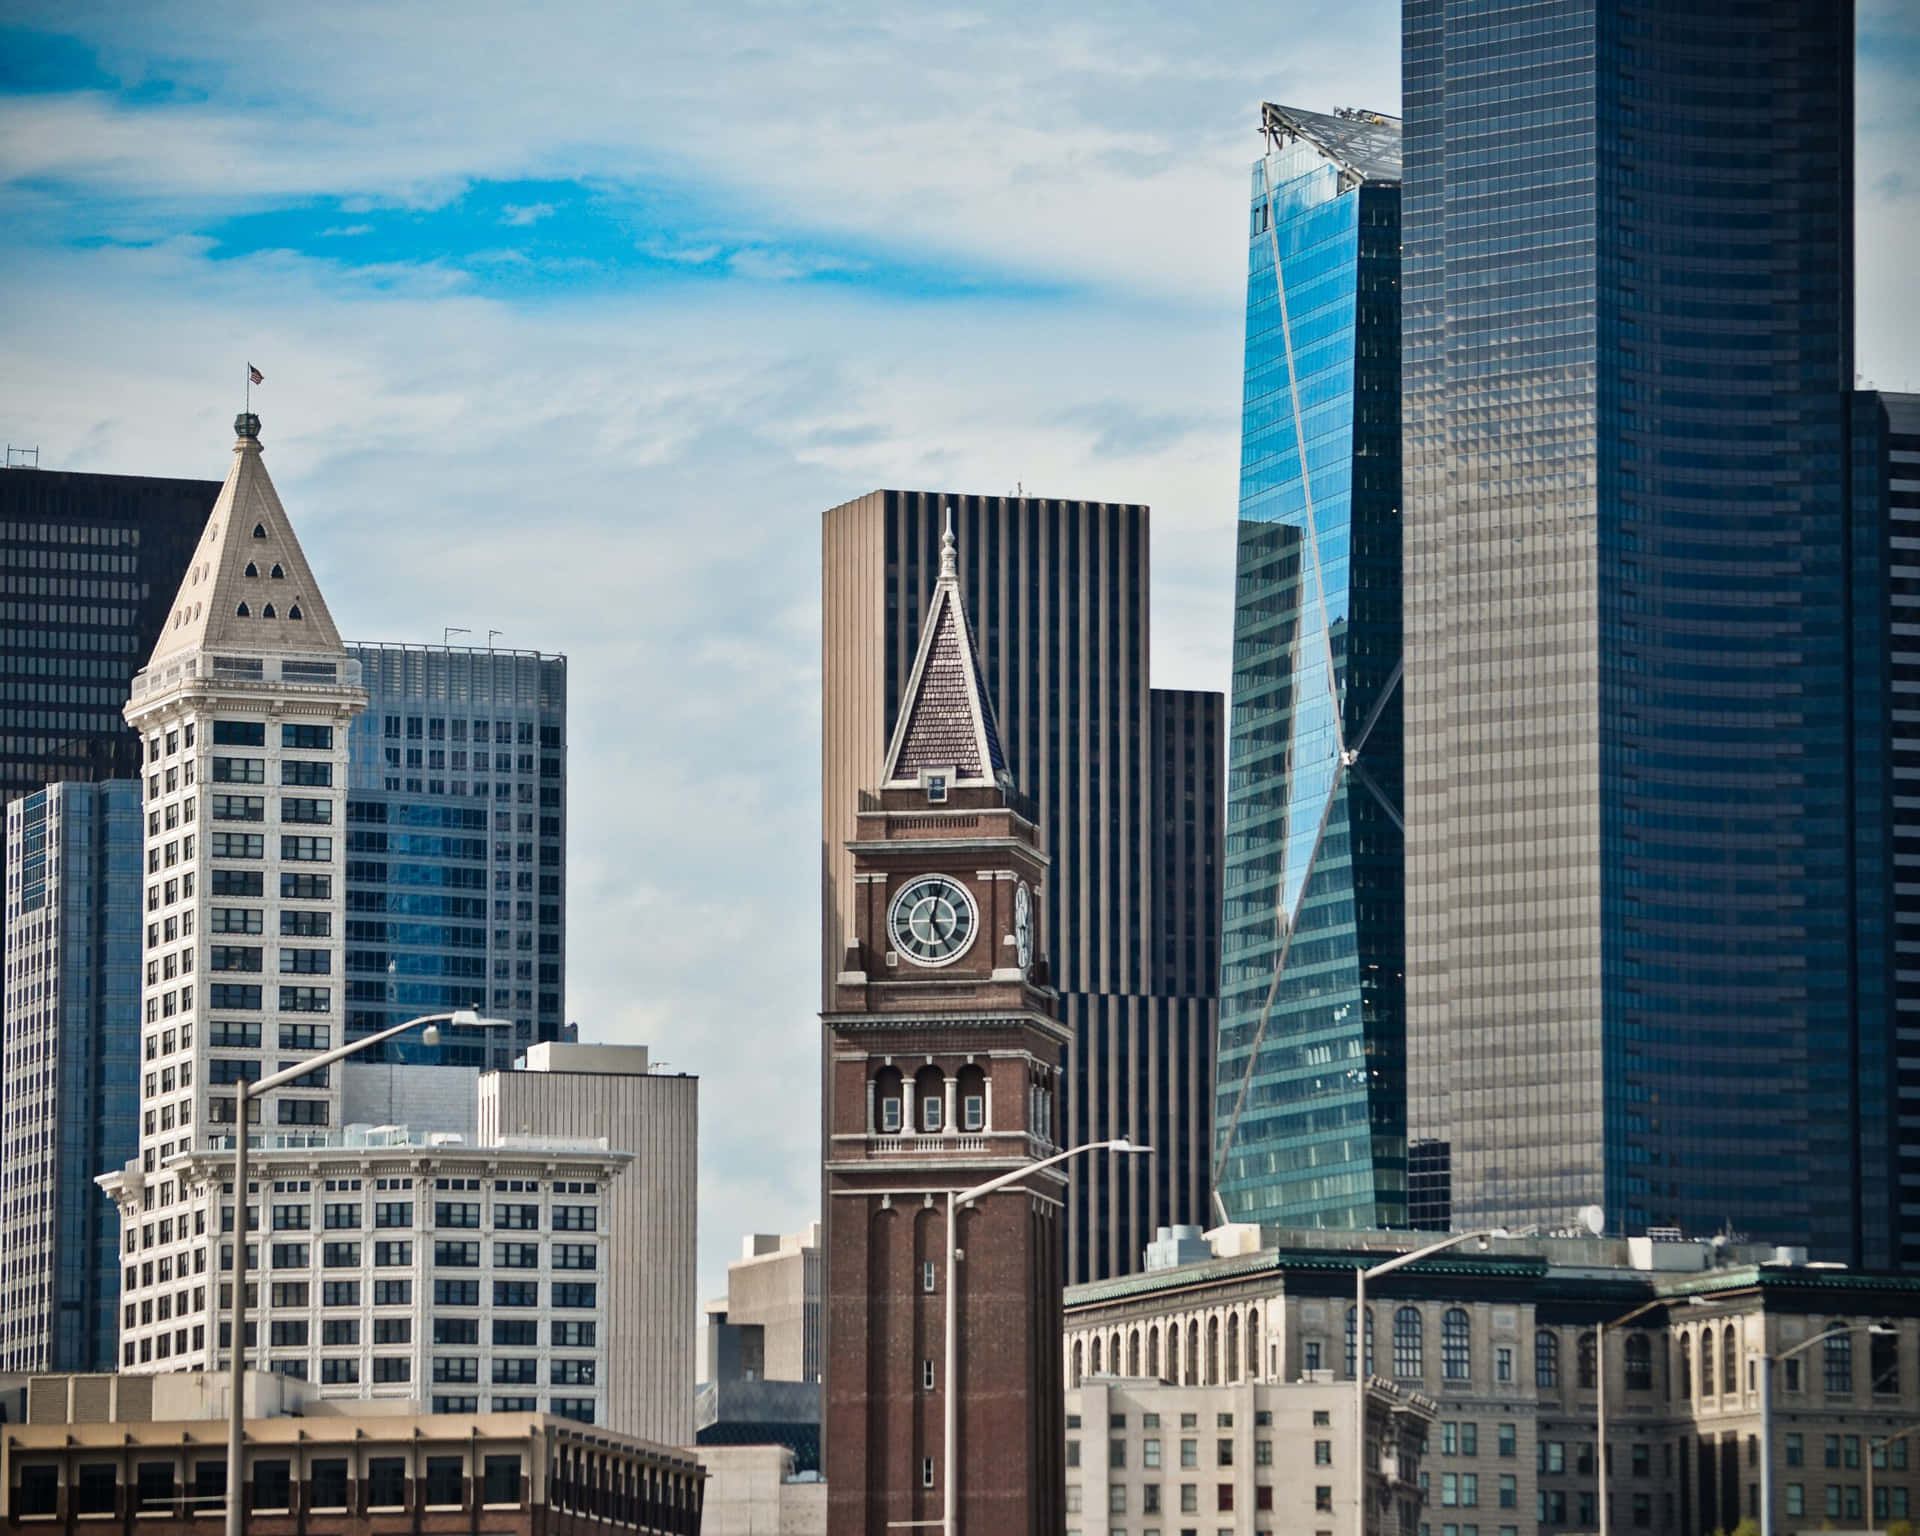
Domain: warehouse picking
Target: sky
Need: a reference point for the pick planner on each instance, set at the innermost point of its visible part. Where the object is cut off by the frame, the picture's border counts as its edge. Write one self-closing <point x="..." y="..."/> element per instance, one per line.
<point x="575" y="321"/>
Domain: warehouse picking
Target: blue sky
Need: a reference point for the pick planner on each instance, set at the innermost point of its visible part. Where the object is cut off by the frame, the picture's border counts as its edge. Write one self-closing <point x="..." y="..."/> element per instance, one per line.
<point x="573" y="323"/>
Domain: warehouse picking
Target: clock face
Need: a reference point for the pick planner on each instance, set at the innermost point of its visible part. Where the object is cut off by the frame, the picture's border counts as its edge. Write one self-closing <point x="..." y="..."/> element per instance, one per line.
<point x="932" y="920"/>
<point x="1023" y="925"/>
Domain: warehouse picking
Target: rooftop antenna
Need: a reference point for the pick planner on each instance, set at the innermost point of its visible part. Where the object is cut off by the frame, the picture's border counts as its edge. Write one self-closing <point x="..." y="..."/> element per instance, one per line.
<point x="448" y="631"/>
<point x="490" y="634"/>
<point x="22" y="452"/>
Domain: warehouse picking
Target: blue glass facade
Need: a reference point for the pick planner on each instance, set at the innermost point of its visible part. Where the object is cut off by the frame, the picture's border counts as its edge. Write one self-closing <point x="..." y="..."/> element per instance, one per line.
<point x="71" y="1094"/>
<point x="1311" y="1104"/>
<point x="456" y="847"/>
<point x="1627" y="352"/>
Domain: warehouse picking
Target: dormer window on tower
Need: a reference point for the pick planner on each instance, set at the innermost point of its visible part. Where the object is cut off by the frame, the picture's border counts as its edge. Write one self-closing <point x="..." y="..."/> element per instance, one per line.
<point x="243" y="612"/>
<point x="277" y="574"/>
<point x="259" y="530"/>
<point x="936" y="788"/>
<point x="252" y="569"/>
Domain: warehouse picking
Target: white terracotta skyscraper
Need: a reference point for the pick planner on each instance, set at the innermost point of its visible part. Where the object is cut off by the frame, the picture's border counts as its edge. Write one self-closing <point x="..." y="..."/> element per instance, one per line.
<point x="243" y="709"/>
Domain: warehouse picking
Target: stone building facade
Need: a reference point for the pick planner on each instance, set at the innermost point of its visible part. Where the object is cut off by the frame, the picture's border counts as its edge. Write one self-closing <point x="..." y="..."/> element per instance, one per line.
<point x="1503" y="1342"/>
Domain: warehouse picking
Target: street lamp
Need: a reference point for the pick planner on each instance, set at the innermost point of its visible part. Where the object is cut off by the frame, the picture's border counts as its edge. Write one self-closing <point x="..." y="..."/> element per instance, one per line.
<point x="1481" y="1234"/>
<point x="951" y="1502"/>
<point x="1882" y="1441"/>
<point x="465" y="1018"/>
<point x="1766" y="1410"/>
<point x="1600" y="1365"/>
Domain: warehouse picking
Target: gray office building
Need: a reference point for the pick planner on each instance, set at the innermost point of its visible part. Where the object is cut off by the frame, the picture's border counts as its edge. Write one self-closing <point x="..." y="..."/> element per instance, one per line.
<point x="457" y="846"/>
<point x="70" y="1084"/>
<point x="1627" y="352"/>
<point x="88" y="565"/>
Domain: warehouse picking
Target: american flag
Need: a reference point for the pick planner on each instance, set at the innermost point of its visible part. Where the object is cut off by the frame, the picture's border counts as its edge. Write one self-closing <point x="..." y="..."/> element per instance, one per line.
<point x="254" y="375"/>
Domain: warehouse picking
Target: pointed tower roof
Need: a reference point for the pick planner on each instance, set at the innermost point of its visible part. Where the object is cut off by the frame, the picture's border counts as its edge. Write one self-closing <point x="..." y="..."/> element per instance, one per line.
<point x="946" y="718"/>
<point x="249" y="586"/>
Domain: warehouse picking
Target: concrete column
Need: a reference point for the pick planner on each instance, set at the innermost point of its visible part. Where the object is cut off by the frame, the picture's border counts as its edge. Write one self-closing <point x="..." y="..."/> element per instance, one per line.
<point x="906" y="1106"/>
<point x="952" y="1126"/>
<point x="872" y="1124"/>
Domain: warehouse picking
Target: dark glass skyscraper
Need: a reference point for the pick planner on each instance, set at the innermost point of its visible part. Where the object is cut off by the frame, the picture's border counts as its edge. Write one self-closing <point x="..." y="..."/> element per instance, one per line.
<point x="457" y="846"/>
<point x="1311" y="1108"/>
<point x="1885" y="708"/>
<point x="88" y="565"/>
<point x="1627" y="354"/>
<point x="70" y="1082"/>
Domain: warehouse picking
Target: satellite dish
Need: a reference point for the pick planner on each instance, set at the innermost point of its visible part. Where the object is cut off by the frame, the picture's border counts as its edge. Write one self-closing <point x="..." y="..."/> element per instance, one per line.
<point x="1593" y="1218"/>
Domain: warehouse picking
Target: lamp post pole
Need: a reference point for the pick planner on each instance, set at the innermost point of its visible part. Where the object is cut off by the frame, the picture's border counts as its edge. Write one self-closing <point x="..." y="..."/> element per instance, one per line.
<point x="1766" y="1414"/>
<point x="1360" y="1274"/>
<point x="1882" y="1440"/>
<point x="1600" y="1408"/>
<point x="950" y="1510"/>
<point x="246" y="1094"/>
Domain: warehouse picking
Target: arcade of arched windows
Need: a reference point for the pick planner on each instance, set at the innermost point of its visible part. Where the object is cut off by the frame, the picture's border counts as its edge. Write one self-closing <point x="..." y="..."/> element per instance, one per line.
<point x="1209" y="1346"/>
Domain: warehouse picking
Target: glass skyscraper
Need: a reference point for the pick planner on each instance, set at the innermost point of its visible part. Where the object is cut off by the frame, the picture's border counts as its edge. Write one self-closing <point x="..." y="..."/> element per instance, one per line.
<point x="1311" y="1108"/>
<point x="457" y="848"/>
<point x="88" y="565"/>
<point x="69" y="1089"/>
<point x="1627" y="352"/>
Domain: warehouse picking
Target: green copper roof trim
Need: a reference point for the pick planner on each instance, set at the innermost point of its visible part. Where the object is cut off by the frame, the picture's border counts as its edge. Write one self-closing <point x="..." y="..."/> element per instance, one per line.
<point x="1238" y="1267"/>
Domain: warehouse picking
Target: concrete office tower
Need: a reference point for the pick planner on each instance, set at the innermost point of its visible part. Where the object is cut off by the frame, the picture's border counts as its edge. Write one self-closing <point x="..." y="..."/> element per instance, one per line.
<point x="1311" y="1114"/>
<point x="89" y="563"/>
<point x="243" y="711"/>
<point x="760" y="1380"/>
<point x="69" y="1088"/>
<point x="1627" y="348"/>
<point x="606" y="1092"/>
<point x="1060" y="593"/>
<point x="1886" y="839"/>
<point x="456" y="866"/>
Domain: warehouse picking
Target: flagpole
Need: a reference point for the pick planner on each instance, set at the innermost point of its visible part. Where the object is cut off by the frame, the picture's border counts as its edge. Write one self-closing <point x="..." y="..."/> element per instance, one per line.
<point x="249" y="397"/>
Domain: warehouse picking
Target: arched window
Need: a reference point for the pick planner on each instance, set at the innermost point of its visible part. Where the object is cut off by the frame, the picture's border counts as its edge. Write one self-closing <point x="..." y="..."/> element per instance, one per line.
<point x="1173" y="1353"/>
<point x="1093" y="1358"/>
<point x="1729" y="1362"/>
<point x="1456" y="1350"/>
<point x="1639" y="1363"/>
<point x="1350" y="1341"/>
<point x="1213" y="1351"/>
<point x="889" y="1108"/>
<point x="1133" y="1353"/>
<point x="1686" y="1366"/>
<point x="1153" y="1351"/>
<point x="1838" y="1361"/>
<point x="1193" y="1354"/>
<point x="1408" y="1345"/>
<point x="1079" y="1361"/>
<point x="972" y="1105"/>
<point x="1589" y="1373"/>
<point x="252" y="569"/>
<point x="1253" y="1344"/>
<point x="294" y="611"/>
<point x="267" y="611"/>
<point x="259" y="530"/>
<point x="930" y="1097"/>
<point x="243" y="612"/>
<point x="1546" y="1358"/>
<point x="1233" y="1346"/>
<point x="277" y="574"/>
<point x="1706" y="1362"/>
<point x="1113" y="1355"/>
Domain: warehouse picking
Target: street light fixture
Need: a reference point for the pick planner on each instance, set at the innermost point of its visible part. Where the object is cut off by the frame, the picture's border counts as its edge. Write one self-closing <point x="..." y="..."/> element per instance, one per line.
<point x="1482" y="1235"/>
<point x="464" y="1018"/>
<point x="951" y="1502"/>
<point x="1766" y="1410"/>
<point x="1600" y="1378"/>
<point x="1882" y="1441"/>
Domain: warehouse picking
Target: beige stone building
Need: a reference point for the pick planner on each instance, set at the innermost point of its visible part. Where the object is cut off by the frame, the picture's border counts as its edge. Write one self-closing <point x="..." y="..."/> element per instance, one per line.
<point x="1503" y="1342"/>
<point x="1146" y="1455"/>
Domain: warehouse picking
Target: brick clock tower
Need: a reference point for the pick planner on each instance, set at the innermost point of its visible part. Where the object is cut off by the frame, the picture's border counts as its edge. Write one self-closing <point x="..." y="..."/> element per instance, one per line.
<point x="943" y="1070"/>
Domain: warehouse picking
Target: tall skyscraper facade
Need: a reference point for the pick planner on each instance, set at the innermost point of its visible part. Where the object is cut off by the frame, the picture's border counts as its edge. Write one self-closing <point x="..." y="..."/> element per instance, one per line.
<point x="1627" y="348"/>
<point x="70" y="1078"/>
<point x="1059" y="590"/>
<point x="242" y="711"/>
<point x="1884" y="703"/>
<point x="1311" y="1110"/>
<point x="456" y="868"/>
<point x="88" y="564"/>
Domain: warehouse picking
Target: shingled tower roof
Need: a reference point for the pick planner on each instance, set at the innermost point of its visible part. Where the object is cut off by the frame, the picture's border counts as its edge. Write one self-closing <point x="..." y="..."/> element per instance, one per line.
<point x="946" y="719"/>
<point x="249" y="586"/>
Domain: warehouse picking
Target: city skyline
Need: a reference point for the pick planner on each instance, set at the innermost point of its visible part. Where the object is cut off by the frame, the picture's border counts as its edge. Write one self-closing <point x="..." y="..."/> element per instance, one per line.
<point x="385" y="409"/>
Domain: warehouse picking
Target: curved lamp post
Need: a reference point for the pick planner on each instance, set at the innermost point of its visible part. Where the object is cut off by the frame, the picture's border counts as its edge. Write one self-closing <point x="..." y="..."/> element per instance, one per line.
<point x="1480" y="1235"/>
<point x="1766" y="1414"/>
<point x="465" y="1018"/>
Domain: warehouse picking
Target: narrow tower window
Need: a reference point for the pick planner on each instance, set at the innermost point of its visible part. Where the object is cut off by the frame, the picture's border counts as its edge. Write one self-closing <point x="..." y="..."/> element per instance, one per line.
<point x="278" y="574"/>
<point x="243" y="611"/>
<point x="267" y="612"/>
<point x="252" y="569"/>
<point x="259" y="530"/>
<point x="294" y="611"/>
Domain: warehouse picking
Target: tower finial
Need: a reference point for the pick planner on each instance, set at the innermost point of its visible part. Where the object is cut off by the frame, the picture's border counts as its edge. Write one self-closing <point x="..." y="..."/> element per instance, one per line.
<point x="949" y="563"/>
